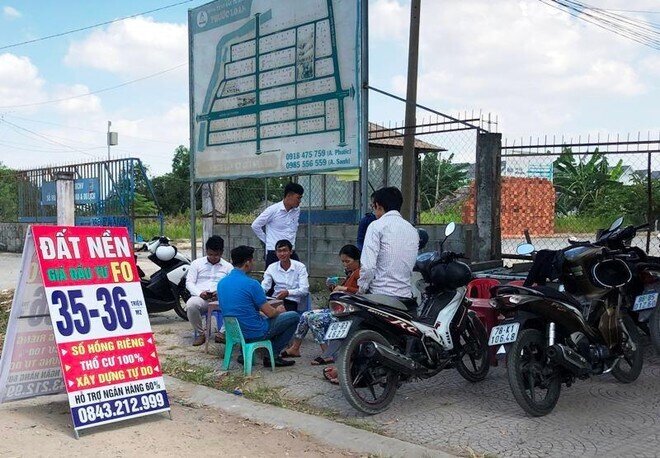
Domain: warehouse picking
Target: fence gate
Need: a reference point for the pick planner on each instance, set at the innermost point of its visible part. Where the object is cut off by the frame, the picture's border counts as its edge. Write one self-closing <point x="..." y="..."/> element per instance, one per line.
<point x="106" y="193"/>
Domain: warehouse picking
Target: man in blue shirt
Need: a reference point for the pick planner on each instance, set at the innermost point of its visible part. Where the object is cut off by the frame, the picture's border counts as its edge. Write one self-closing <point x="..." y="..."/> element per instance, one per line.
<point x="243" y="298"/>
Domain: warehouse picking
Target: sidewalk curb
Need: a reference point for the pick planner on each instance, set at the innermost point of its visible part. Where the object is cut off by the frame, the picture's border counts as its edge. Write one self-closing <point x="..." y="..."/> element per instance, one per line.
<point x="324" y="430"/>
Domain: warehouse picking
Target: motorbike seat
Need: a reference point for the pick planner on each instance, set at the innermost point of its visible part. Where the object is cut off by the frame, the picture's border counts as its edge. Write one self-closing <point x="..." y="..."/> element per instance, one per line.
<point x="553" y="293"/>
<point x="402" y="306"/>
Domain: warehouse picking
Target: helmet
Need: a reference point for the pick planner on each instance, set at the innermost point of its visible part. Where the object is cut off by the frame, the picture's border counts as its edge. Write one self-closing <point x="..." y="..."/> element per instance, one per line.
<point x="612" y="273"/>
<point x="423" y="238"/>
<point x="450" y="275"/>
<point x="165" y="252"/>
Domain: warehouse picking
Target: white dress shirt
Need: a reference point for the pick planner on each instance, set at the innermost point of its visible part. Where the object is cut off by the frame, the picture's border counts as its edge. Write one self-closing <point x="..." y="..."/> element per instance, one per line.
<point x="388" y="256"/>
<point x="204" y="276"/>
<point x="280" y="224"/>
<point x="293" y="280"/>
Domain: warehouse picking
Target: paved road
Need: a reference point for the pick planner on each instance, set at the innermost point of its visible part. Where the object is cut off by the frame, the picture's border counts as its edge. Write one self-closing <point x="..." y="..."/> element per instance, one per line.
<point x="600" y="417"/>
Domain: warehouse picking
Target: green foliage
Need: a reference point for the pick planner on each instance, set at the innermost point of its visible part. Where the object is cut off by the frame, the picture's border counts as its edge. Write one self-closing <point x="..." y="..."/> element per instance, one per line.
<point x="632" y="201"/>
<point x="175" y="227"/>
<point x="439" y="178"/>
<point x="432" y="217"/>
<point x="8" y="194"/>
<point x="173" y="189"/>
<point x="248" y="195"/>
<point x="585" y="186"/>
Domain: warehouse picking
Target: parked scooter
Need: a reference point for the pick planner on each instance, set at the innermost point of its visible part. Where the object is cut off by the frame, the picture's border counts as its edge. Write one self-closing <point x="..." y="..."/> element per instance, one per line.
<point x="388" y="340"/>
<point x="641" y="293"/>
<point x="552" y="337"/>
<point x="166" y="288"/>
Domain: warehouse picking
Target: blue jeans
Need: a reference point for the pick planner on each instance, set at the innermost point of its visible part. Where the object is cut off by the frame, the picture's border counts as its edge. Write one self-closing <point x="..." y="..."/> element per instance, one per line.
<point x="281" y="330"/>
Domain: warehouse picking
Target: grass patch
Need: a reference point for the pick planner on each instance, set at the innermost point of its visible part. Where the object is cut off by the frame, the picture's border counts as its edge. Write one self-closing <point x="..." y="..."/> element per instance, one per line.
<point x="178" y="227"/>
<point x="6" y="297"/>
<point x="254" y="391"/>
<point x="581" y="224"/>
<point x="433" y="217"/>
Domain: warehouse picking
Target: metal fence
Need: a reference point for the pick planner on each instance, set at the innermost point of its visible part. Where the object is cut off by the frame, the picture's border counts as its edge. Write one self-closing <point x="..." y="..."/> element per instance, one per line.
<point x="556" y="188"/>
<point x="446" y="150"/>
<point x="106" y="193"/>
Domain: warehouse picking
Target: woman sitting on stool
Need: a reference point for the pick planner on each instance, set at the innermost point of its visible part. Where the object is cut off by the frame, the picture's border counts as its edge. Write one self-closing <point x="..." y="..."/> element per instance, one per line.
<point x="319" y="320"/>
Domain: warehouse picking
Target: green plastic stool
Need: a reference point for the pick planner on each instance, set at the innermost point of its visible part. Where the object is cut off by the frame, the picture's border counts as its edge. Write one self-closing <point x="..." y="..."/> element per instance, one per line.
<point x="234" y="335"/>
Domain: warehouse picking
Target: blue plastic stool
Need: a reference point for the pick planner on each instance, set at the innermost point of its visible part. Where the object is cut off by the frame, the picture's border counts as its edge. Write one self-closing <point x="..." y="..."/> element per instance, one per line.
<point x="233" y="335"/>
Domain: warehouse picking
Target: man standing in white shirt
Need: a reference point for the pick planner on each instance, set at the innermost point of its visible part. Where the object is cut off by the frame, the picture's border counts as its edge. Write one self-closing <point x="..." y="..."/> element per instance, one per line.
<point x="390" y="248"/>
<point x="202" y="283"/>
<point x="288" y="278"/>
<point x="280" y="222"/>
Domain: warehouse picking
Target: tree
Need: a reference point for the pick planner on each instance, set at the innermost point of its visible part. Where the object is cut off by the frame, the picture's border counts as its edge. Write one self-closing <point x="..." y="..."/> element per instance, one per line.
<point x="585" y="186"/>
<point x="8" y="194"/>
<point x="439" y="178"/>
<point x="173" y="189"/>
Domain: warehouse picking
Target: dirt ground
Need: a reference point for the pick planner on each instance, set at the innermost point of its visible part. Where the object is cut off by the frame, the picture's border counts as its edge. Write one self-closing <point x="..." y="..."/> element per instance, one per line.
<point x="42" y="427"/>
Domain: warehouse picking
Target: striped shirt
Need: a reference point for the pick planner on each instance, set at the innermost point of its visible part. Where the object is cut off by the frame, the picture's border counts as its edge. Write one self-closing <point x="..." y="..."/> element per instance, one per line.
<point x="388" y="256"/>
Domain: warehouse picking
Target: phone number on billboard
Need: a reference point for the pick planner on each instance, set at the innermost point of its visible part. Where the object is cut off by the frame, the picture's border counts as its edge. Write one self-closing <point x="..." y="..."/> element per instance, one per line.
<point x="306" y="163"/>
<point x="118" y="408"/>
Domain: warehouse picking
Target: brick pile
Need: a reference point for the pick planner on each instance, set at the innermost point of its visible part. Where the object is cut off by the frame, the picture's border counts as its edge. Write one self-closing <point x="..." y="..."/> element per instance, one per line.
<point x="527" y="203"/>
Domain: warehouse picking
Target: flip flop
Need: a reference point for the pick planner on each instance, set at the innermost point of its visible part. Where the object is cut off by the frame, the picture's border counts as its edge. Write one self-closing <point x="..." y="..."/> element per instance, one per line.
<point x="284" y="354"/>
<point x="334" y="381"/>
<point x="320" y="361"/>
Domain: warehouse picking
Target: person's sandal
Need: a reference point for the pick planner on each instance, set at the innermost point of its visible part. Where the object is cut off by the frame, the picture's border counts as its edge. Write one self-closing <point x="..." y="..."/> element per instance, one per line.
<point x="285" y="354"/>
<point x="321" y="361"/>
<point x="326" y="375"/>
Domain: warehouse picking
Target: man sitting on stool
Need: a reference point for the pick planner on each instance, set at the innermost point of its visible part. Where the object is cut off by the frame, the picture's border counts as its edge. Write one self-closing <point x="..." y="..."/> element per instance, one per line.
<point x="202" y="282"/>
<point x="243" y="298"/>
<point x="287" y="278"/>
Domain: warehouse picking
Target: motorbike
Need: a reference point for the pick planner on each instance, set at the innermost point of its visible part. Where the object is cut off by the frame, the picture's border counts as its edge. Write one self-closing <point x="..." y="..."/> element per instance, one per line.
<point x="641" y="293"/>
<point x="554" y="337"/>
<point x="166" y="288"/>
<point x="386" y="341"/>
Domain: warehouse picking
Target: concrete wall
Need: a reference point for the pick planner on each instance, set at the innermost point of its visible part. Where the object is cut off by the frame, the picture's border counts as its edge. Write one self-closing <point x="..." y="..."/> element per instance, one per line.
<point x="12" y="236"/>
<point x="327" y="240"/>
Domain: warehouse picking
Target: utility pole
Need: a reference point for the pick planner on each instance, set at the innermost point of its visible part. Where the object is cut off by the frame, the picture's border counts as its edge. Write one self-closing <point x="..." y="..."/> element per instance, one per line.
<point x="408" y="180"/>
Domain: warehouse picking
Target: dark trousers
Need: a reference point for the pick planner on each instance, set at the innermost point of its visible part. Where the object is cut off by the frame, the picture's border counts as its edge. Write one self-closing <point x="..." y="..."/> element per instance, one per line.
<point x="271" y="257"/>
<point x="281" y="330"/>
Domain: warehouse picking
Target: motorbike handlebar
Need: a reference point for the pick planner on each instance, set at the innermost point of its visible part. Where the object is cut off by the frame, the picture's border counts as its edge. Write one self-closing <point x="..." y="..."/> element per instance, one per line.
<point x="448" y="256"/>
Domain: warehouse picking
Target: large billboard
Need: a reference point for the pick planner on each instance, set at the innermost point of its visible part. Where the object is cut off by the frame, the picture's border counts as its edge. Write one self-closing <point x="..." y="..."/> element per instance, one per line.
<point x="275" y="87"/>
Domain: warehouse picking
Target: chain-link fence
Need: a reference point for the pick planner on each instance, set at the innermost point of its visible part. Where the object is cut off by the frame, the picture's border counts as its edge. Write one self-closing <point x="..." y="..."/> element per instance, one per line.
<point x="556" y="189"/>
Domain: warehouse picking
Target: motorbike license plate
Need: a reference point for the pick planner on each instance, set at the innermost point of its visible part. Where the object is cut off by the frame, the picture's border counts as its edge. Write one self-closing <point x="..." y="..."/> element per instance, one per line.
<point x="503" y="334"/>
<point x="338" y="330"/>
<point x="645" y="301"/>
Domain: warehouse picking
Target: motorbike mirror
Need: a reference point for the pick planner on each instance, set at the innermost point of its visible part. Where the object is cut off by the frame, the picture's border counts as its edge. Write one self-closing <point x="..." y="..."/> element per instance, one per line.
<point x="450" y="228"/>
<point x="616" y="224"/>
<point x="525" y="248"/>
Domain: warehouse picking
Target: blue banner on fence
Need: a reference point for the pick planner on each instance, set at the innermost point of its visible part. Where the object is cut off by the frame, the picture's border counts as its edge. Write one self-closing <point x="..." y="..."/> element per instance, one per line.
<point x="85" y="191"/>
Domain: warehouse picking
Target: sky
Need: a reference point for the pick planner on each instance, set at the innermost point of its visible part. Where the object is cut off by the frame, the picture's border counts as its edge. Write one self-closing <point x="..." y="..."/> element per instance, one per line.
<point x="538" y="70"/>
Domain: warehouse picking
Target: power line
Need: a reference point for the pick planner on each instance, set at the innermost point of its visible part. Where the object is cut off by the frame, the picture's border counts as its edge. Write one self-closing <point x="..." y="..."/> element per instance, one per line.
<point x="89" y="130"/>
<point x="15" y="126"/>
<point x="125" y="83"/>
<point x="643" y="32"/>
<point x="13" y="45"/>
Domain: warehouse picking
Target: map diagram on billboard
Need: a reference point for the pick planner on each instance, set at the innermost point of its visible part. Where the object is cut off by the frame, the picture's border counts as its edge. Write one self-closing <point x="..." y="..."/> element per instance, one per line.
<point x="277" y="100"/>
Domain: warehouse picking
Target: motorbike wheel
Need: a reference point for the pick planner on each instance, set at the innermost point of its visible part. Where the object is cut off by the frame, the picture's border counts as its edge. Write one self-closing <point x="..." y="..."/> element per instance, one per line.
<point x="529" y="372"/>
<point x="472" y="362"/>
<point x="179" y="309"/>
<point x="628" y="368"/>
<point x="368" y="386"/>
<point x="654" y="329"/>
